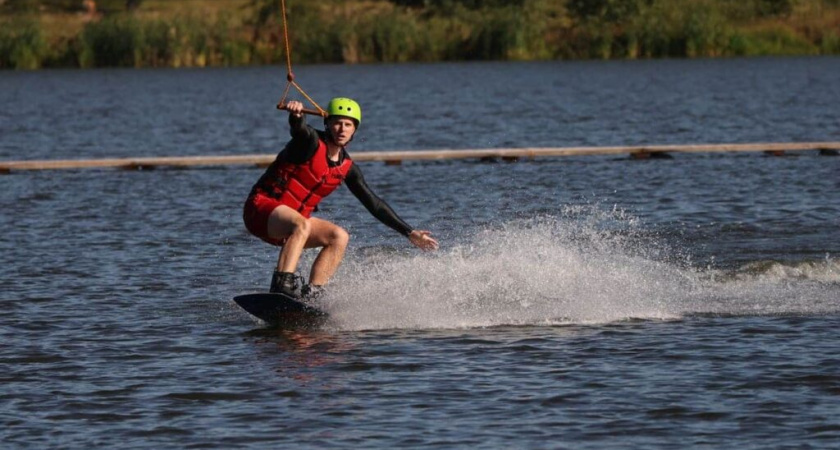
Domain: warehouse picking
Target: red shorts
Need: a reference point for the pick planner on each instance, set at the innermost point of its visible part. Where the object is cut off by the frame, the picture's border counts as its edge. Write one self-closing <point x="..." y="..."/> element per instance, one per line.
<point x="255" y="214"/>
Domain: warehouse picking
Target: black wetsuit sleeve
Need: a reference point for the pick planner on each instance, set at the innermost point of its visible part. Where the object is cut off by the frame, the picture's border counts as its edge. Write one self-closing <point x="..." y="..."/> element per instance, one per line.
<point x="356" y="183"/>
<point x="300" y="149"/>
<point x="304" y="141"/>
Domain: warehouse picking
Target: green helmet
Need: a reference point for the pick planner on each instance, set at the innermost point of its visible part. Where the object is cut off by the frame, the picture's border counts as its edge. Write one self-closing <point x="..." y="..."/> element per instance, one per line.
<point x="346" y="107"/>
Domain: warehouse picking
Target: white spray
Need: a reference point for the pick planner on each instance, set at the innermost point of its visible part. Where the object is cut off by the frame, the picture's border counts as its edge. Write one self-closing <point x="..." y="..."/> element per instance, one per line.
<point x="588" y="266"/>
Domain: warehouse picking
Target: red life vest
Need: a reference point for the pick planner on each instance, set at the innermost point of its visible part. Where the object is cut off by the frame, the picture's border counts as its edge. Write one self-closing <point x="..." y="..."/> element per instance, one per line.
<point x="302" y="187"/>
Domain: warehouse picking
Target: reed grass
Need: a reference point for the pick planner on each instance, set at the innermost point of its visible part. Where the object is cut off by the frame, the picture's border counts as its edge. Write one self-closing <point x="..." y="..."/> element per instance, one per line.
<point x="238" y="32"/>
<point x="190" y="41"/>
<point x="22" y="45"/>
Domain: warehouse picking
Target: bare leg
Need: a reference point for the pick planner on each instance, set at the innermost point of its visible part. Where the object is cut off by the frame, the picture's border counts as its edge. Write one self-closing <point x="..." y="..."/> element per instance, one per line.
<point x="284" y="222"/>
<point x="300" y="233"/>
<point x="334" y="241"/>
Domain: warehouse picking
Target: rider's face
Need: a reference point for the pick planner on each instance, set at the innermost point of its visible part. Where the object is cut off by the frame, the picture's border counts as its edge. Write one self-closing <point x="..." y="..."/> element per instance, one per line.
<point x="342" y="130"/>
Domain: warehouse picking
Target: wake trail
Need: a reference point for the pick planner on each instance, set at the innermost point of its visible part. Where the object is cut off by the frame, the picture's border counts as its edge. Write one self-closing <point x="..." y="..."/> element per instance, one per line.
<point x="588" y="266"/>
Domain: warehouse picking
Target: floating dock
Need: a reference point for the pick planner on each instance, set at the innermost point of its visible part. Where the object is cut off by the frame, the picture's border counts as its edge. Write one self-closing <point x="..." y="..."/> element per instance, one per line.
<point x="397" y="157"/>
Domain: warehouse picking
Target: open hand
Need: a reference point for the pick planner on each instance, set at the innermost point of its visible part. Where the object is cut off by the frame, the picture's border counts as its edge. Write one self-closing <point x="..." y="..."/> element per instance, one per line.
<point x="423" y="240"/>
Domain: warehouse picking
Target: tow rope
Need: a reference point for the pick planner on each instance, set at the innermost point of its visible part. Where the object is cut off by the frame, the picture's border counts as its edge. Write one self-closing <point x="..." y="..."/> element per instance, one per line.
<point x="290" y="76"/>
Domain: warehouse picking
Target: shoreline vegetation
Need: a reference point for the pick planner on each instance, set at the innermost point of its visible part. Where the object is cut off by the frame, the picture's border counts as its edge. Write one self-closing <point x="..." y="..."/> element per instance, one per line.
<point x="203" y="33"/>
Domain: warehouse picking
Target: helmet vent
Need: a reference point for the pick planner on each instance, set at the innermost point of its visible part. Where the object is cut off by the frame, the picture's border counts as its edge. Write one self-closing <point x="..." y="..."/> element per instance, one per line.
<point x="341" y="106"/>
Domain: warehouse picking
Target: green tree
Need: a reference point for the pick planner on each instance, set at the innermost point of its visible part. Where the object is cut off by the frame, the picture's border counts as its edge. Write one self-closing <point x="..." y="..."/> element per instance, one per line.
<point x="775" y="8"/>
<point x="132" y="5"/>
<point x="611" y="11"/>
<point x="21" y="6"/>
<point x="446" y="5"/>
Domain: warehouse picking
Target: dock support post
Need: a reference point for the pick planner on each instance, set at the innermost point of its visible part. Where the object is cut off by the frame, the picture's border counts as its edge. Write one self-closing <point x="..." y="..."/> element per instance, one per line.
<point x="645" y="154"/>
<point x="774" y="152"/>
<point x="138" y="167"/>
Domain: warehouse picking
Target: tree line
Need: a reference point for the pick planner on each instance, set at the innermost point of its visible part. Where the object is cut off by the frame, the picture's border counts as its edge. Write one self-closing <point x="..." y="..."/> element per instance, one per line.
<point x="366" y="31"/>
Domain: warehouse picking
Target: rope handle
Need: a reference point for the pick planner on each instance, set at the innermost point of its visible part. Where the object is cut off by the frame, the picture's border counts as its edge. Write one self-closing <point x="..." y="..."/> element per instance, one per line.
<point x="285" y="106"/>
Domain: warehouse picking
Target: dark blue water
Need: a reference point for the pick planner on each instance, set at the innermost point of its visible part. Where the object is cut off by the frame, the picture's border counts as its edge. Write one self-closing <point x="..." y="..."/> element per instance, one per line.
<point x="586" y="302"/>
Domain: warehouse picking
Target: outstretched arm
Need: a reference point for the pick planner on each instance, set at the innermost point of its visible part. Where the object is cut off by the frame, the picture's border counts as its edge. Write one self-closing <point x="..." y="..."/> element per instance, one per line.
<point x="304" y="141"/>
<point x="379" y="209"/>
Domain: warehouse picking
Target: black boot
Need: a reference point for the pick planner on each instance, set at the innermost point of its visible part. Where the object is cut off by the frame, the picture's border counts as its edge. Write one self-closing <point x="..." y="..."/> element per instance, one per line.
<point x="284" y="283"/>
<point x="311" y="291"/>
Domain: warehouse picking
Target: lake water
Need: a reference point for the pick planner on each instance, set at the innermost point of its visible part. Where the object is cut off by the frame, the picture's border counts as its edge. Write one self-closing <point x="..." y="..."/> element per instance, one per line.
<point x="585" y="302"/>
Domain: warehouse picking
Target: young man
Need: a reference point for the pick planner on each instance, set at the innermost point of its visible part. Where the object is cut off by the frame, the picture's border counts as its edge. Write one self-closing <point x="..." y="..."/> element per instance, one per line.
<point x="311" y="166"/>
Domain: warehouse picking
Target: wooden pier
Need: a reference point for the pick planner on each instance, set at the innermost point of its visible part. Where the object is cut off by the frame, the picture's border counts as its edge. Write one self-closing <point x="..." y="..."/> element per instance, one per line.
<point x="397" y="157"/>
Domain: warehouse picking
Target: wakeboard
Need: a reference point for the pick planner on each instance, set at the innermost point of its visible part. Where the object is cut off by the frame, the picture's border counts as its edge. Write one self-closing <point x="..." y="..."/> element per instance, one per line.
<point x="281" y="310"/>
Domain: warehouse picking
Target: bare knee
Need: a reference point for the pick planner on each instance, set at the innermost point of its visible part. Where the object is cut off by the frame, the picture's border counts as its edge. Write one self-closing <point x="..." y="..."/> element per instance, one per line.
<point x="339" y="237"/>
<point x="300" y="226"/>
<point x="285" y="222"/>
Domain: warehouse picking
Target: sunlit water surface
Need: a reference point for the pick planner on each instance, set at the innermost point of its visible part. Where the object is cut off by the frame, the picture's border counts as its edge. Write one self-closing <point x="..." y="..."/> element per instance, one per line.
<point x="592" y="302"/>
